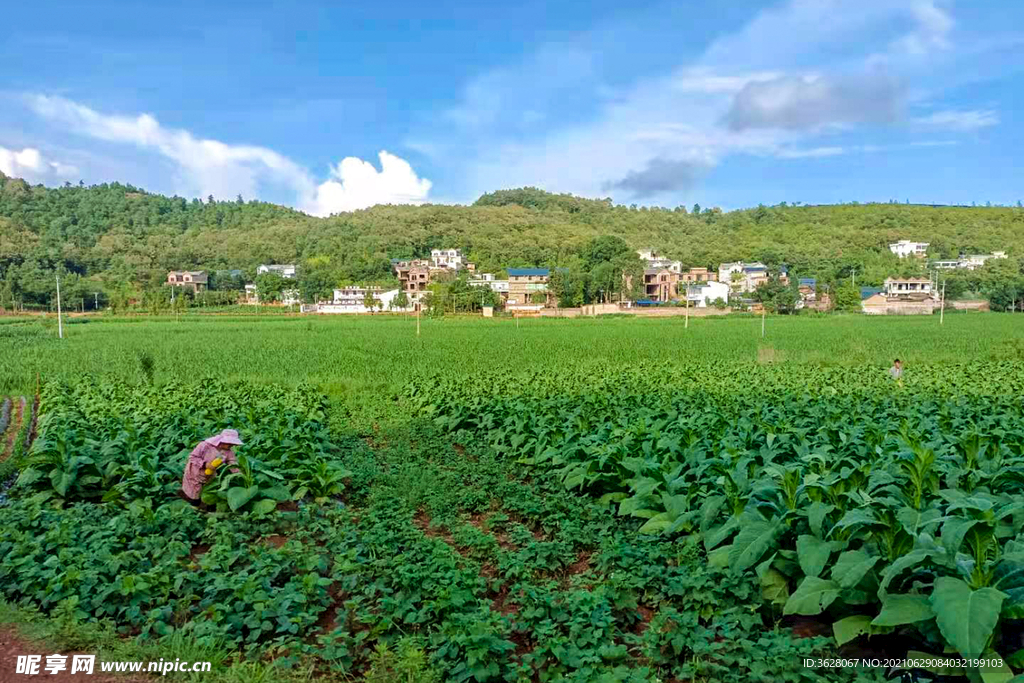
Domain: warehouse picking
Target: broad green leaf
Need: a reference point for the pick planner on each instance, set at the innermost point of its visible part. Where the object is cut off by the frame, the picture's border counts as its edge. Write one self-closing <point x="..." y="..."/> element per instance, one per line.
<point x="813" y="596"/>
<point x="851" y="567"/>
<point x="966" y="617"/>
<point x="995" y="674"/>
<point x="715" y="536"/>
<point x="816" y="514"/>
<point x="238" y="496"/>
<point x="849" y="628"/>
<point x="813" y="554"/>
<point x="914" y="521"/>
<point x="1013" y="606"/>
<point x="265" y="506"/>
<point x="719" y="557"/>
<point x="279" y="492"/>
<point x="657" y="524"/>
<point x="953" y="532"/>
<point x="855" y="518"/>
<point x="756" y="537"/>
<point x="899" y="609"/>
<point x="774" y="587"/>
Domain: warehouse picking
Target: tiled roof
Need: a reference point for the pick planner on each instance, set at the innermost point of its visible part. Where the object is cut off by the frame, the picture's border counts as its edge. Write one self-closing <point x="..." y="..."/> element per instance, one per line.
<point x="527" y="272"/>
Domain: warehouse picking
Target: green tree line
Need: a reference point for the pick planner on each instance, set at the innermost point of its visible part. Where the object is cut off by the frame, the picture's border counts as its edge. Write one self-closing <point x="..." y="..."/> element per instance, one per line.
<point x="114" y="240"/>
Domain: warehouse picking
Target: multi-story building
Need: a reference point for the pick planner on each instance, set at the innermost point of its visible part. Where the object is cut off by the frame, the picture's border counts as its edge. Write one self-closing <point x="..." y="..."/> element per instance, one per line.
<point x="196" y="280"/>
<point x="966" y="261"/>
<point x="413" y="274"/>
<point x="905" y="248"/>
<point x="286" y="271"/>
<point x="698" y="275"/>
<point x="907" y="288"/>
<point x="523" y="283"/>
<point x="653" y="260"/>
<point x="488" y="280"/>
<point x="704" y="294"/>
<point x="450" y="259"/>
<point x="745" y="277"/>
<point x="660" y="284"/>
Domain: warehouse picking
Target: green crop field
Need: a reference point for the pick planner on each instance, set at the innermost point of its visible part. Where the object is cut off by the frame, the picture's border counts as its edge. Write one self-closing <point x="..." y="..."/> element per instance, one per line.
<point x="558" y="500"/>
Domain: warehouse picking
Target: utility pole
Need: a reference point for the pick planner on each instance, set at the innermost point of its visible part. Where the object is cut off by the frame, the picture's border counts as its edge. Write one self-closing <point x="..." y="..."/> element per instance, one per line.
<point x="95" y="301"/>
<point x="60" y="323"/>
<point x="687" y="325"/>
<point x="763" y="313"/>
<point x="418" y="307"/>
<point x="942" y="302"/>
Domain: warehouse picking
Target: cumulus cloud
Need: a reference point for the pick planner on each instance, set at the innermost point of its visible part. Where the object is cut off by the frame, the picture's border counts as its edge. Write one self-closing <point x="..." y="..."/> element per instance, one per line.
<point x="962" y="120"/>
<point x="807" y="103"/>
<point x="205" y="166"/>
<point x="30" y="164"/>
<point x="356" y="184"/>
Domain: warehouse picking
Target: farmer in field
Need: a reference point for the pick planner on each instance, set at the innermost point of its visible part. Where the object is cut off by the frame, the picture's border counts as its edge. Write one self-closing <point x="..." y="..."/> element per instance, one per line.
<point x="896" y="371"/>
<point x="204" y="460"/>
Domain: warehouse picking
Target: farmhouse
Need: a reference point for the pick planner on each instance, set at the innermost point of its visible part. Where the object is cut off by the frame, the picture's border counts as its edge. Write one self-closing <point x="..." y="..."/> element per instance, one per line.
<point x="745" y="277"/>
<point x="704" y="294"/>
<point x="967" y="262"/>
<point x="698" y="275"/>
<point x="905" y="248"/>
<point x="900" y="296"/>
<point x="488" y="280"/>
<point x="353" y="300"/>
<point x="447" y="259"/>
<point x="196" y="280"/>
<point x="660" y="284"/>
<point x="523" y="284"/>
<point x="653" y="260"/>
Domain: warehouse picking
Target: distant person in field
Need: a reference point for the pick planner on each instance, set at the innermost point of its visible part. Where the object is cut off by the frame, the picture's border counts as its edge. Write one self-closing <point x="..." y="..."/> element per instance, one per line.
<point x="204" y="460"/>
<point x="896" y="371"/>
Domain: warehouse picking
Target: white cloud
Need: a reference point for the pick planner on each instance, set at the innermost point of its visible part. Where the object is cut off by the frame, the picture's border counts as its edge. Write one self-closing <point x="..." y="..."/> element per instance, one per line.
<point x="210" y="167"/>
<point x="811" y="153"/>
<point x="31" y="165"/>
<point x="796" y="71"/>
<point x="958" y="120"/>
<point x="356" y="184"/>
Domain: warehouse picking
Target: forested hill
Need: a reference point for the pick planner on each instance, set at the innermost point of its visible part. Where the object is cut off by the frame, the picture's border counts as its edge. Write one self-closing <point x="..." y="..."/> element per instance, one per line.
<point x="118" y="233"/>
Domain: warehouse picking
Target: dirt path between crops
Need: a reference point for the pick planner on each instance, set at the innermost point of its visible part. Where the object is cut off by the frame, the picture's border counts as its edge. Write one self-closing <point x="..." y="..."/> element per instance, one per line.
<point x="12" y="645"/>
<point x="14" y="427"/>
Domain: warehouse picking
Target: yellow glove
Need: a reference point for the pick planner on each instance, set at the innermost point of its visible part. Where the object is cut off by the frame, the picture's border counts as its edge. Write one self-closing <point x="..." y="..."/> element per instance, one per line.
<point x="213" y="466"/>
<point x="209" y="471"/>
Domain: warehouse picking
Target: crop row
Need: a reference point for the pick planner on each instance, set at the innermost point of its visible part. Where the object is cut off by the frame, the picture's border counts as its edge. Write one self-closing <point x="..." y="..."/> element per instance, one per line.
<point x="877" y="508"/>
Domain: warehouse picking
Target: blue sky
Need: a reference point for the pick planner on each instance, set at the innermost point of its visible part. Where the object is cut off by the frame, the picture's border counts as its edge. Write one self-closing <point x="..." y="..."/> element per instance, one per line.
<point x="330" y="106"/>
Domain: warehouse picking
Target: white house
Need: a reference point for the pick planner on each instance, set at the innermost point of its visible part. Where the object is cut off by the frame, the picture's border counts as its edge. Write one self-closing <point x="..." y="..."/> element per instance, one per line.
<point x="447" y="258"/>
<point x="748" y="275"/>
<point x="704" y="294"/>
<point x="352" y="300"/>
<point x="285" y="271"/>
<point x="967" y="262"/>
<point x="488" y="280"/>
<point x="289" y="297"/>
<point x="905" y="248"/>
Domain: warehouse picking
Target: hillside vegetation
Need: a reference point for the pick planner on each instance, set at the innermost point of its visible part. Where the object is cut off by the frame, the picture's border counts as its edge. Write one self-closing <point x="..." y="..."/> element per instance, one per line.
<point x="113" y="234"/>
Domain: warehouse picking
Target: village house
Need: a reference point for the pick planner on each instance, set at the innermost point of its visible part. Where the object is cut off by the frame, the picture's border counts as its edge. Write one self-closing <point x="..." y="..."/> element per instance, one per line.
<point x="705" y="294"/>
<point x="745" y="277"/>
<point x="488" y="280"/>
<point x="698" y="275"/>
<point x="966" y="262"/>
<point x="660" y="284"/>
<point x="523" y="283"/>
<point x="353" y="300"/>
<point x="904" y="248"/>
<point x="196" y="280"/>
<point x="900" y="296"/>
<point x="413" y="276"/>
<point x="653" y="260"/>
<point x="448" y="259"/>
<point x="286" y="271"/>
<point x="289" y="297"/>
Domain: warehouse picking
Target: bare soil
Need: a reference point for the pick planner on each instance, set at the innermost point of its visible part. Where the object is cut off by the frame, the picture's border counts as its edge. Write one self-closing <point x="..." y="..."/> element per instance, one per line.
<point x="12" y="645"/>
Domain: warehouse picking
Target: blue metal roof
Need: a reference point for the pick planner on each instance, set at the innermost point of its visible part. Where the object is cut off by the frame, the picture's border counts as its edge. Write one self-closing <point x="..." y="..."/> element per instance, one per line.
<point x="866" y="292"/>
<point x="526" y="272"/>
<point x="808" y="281"/>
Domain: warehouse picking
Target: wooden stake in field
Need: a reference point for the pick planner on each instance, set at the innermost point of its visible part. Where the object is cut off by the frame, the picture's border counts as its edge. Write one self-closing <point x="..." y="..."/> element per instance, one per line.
<point x="687" y="325"/>
<point x="418" y="307"/>
<point x="763" y="311"/>
<point x="60" y="323"/>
